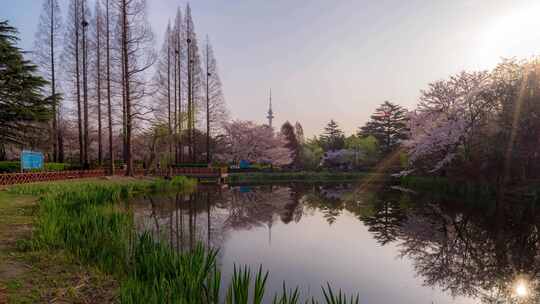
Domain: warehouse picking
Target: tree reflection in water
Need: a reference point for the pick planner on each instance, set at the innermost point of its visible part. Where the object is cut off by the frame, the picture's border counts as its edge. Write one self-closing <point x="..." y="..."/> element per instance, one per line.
<point x="488" y="250"/>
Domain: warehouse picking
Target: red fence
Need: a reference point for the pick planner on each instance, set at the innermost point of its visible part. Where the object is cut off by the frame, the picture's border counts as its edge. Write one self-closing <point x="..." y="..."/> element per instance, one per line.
<point x="32" y="177"/>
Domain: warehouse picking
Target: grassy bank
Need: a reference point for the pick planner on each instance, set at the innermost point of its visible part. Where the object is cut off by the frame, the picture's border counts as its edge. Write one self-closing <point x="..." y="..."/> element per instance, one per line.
<point x="41" y="275"/>
<point x="88" y="227"/>
<point x="276" y="177"/>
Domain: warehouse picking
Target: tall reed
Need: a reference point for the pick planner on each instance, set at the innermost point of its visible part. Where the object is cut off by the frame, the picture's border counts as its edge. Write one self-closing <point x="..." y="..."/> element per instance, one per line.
<point x="88" y="220"/>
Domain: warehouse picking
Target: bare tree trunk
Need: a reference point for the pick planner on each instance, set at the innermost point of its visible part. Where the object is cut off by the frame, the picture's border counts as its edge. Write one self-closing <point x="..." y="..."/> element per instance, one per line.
<point x="78" y="85"/>
<point x="85" y="85"/>
<point x="169" y="96"/>
<point x="129" y="160"/>
<point x="60" y="146"/>
<point x="109" y="108"/>
<point x="175" y="123"/>
<point x="190" y="95"/>
<point x="54" y="135"/>
<point x="207" y="106"/>
<point x="180" y="119"/>
<point x="98" y="54"/>
<point x="124" y="120"/>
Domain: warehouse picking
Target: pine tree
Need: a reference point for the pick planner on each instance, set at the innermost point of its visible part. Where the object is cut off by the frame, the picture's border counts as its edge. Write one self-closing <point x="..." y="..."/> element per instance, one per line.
<point x="45" y="55"/>
<point x="333" y="137"/>
<point x="299" y="131"/>
<point x="22" y="106"/>
<point x="388" y="125"/>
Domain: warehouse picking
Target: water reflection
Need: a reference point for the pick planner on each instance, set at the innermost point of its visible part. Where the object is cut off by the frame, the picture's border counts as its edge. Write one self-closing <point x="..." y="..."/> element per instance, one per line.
<point x="447" y="251"/>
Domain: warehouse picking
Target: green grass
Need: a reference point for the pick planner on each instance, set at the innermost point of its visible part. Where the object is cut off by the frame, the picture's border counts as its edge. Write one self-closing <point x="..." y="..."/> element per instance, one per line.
<point x="41" y="275"/>
<point x="89" y="221"/>
<point x="262" y="177"/>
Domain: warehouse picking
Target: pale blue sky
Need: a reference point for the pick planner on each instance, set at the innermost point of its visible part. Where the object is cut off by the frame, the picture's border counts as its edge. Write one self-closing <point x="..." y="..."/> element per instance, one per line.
<point x="338" y="58"/>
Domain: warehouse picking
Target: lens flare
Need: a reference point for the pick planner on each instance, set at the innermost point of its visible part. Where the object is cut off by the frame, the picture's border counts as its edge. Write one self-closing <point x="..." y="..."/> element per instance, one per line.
<point x="521" y="289"/>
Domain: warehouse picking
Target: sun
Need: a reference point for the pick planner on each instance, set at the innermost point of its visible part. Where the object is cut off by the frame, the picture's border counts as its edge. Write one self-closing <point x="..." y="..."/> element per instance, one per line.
<point x="513" y="35"/>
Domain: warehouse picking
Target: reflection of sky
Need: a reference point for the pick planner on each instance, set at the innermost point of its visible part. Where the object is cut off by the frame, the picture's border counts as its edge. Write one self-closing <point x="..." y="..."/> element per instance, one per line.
<point x="311" y="252"/>
<point x="308" y="235"/>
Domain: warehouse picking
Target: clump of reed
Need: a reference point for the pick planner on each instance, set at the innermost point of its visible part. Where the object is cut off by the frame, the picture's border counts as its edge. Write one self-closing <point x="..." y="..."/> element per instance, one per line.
<point x="161" y="275"/>
<point x="87" y="219"/>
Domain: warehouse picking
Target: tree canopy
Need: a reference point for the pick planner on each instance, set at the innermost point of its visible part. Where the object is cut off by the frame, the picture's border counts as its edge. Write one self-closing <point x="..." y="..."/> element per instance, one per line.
<point x="388" y="125"/>
<point x="22" y="105"/>
<point x="333" y="137"/>
<point x="289" y="134"/>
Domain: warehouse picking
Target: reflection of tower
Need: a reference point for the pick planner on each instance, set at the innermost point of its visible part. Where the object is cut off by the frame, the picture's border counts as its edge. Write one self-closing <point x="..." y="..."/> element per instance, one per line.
<point x="270" y="232"/>
<point x="270" y="112"/>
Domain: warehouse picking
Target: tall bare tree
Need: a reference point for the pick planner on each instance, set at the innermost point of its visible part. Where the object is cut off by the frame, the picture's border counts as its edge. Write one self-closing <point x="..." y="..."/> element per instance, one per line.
<point x="47" y="43"/>
<point x="179" y="70"/>
<point x="194" y="81"/>
<point x="162" y="81"/>
<point x="216" y="111"/>
<point x="71" y="58"/>
<point x="108" y="72"/>
<point x="97" y="71"/>
<point x="85" y="24"/>
<point x="137" y="56"/>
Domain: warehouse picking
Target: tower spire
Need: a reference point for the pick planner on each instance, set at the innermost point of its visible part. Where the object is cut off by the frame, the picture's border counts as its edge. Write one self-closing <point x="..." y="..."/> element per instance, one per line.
<point x="270" y="112"/>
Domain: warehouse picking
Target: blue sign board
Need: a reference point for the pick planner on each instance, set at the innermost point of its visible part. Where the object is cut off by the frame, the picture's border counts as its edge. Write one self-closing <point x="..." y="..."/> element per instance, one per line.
<point x="31" y="160"/>
<point x="244" y="164"/>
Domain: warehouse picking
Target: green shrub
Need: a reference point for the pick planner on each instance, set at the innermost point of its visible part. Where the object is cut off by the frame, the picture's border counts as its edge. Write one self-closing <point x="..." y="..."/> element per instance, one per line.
<point x="10" y="166"/>
<point x="57" y="166"/>
<point x="15" y="167"/>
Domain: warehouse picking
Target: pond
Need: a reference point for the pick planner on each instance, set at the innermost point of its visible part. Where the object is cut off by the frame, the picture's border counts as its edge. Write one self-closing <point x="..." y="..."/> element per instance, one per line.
<point x="386" y="244"/>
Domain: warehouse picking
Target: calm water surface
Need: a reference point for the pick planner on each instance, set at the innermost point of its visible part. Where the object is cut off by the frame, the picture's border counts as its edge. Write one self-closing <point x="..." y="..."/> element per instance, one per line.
<point x="387" y="245"/>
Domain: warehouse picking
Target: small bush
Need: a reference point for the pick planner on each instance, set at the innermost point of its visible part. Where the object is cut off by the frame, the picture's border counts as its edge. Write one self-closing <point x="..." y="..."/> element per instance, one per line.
<point x="10" y="167"/>
<point x="15" y="167"/>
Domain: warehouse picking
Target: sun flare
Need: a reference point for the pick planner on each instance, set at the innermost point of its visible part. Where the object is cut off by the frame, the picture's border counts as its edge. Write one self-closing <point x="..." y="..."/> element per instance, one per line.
<point x="512" y="35"/>
<point x="521" y="289"/>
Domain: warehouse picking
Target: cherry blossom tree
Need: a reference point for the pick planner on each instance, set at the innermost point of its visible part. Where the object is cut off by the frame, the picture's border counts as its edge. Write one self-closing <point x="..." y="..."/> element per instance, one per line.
<point x="448" y="114"/>
<point x="245" y="140"/>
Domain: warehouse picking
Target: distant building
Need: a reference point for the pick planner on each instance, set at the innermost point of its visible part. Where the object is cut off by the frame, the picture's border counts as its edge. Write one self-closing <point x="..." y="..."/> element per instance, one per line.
<point x="270" y="114"/>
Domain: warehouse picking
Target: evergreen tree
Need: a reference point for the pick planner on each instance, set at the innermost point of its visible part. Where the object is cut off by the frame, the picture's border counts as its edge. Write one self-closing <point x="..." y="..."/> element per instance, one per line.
<point x="388" y="125"/>
<point x="299" y="131"/>
<point x="333" y="137"/>
<point x="23" y="108"/>
<point x="291" y="142"/>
